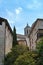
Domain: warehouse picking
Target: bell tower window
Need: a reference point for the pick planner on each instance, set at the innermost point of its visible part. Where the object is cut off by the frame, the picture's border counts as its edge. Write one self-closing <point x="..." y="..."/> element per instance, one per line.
<point x="27" y="31"/>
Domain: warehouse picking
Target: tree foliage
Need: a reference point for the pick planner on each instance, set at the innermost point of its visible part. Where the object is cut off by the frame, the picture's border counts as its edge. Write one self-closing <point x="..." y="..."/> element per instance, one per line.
<point x="24" y="59"/>
<point x="14" y="54"/>
<point x="20" y="55"/>
<point x="14" y="37"/>
<point x="40" y="52"/>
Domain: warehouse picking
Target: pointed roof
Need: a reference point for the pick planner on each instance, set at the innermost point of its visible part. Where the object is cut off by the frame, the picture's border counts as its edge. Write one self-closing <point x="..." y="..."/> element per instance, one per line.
<point x="27" y="26"/>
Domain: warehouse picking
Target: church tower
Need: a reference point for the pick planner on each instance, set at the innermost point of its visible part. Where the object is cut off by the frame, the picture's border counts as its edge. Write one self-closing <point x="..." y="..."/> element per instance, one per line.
<point x="27" y="30"/>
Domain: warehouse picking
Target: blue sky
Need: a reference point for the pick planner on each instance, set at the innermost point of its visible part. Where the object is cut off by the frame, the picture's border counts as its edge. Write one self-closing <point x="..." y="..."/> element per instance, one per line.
<point x="21" y="12"/>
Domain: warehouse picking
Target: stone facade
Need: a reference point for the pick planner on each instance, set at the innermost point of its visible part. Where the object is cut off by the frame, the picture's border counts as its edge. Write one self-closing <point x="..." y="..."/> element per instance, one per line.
<point x="32" y="34"/>
<point x="22" y="42"/>
<point x="8" y="40"/>
<point x="2" y="42"/>
<point x="5" y="39"/>
<point x="23" y="39"/>
<point x="30" y="37"/>
<point x="37" y="28"/>
<point x="27" y="30"/>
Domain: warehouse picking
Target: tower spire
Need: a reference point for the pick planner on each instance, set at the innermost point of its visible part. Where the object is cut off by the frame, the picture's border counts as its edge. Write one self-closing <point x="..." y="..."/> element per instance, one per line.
<point x="27" y="24"/>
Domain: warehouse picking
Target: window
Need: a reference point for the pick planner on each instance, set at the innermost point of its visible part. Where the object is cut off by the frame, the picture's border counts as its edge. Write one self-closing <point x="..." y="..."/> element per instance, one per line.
<point x="0" y="23"/>
<point x="39" y="35"/>
<point x="27" y="31"/>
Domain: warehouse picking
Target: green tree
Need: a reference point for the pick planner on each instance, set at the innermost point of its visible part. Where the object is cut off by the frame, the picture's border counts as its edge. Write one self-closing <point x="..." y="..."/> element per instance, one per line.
<point x="40" y="52"/>
<point x="14" y="54"/>
<point x="25" y="59"/>
<point x="14" y="37"/>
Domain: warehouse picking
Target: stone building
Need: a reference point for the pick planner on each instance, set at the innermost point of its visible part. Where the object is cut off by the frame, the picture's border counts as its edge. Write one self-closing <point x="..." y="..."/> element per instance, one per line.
<point x="24" y="39"/>
<point x="30" y="37"/>
<point x="27" y="30"/>
<point x="35" y="33"/>
<point x="21" y="39"/>
<point x="5" y="38"/>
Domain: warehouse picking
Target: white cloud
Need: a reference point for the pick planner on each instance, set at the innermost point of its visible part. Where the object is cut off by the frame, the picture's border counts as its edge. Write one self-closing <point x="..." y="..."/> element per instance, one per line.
<point x="18" y="10"/>
<point x="14" y="16"/>
<point x="34" y="5"/>
<point x="15" y="19"/>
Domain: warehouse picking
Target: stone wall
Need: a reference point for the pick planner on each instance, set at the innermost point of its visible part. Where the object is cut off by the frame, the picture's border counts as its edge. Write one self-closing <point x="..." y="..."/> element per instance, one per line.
<point x="22" y="39"/>
<point x="22" y="42"/>
<point x="8" y="40"/>
<point x="2" y="42"/>
<point x="33" y="35"/>
<point x="5" y="41"/>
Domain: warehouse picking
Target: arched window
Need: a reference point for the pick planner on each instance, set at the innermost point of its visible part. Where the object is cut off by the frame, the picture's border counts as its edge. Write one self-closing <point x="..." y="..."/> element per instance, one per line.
<point x="27" y="31"/>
